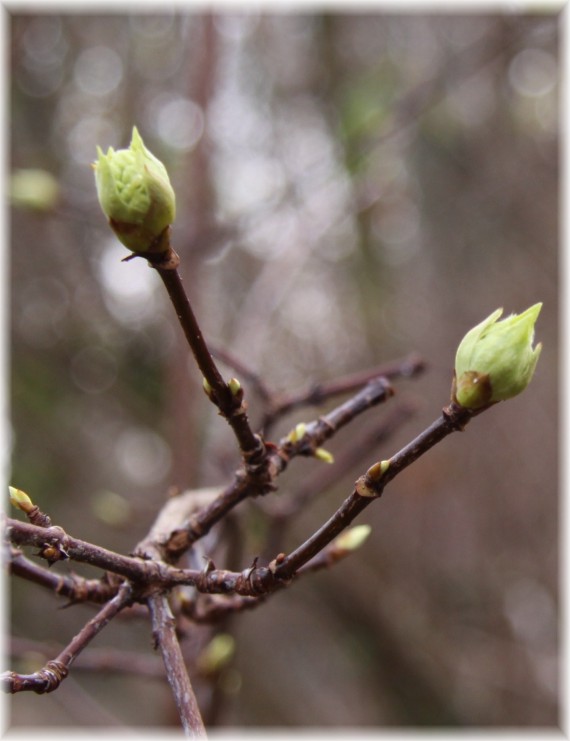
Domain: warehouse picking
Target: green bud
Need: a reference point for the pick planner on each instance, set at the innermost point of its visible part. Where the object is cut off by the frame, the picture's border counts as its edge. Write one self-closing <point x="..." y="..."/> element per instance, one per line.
<point x="376" y="471"/>
<point x="136" y="196"/>
<point x="36" y="190"/>
<point x="324" y="455"/>
<point x="297" y="433"/>
<point x="495" y="360"/>
<point x="217" y="654"/>
<point x="234" y="386"/>
<point x="353" y="538"/>
<point x="20" y="499"/>
<point x="111" y="508"/>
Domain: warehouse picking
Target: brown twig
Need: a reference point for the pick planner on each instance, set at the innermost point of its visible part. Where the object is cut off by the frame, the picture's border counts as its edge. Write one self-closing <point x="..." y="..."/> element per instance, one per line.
<point x="73" y="586"/>
<point x="318" y="393"/>
<point x="210" y="608"/>
<point x="282" y="509"/>
<point x="164" y="632"/>
<point x="452" y="419"/>
<point x="246" y="482"/>
<point x="114" y="659"/>
<point x="22" y="533"/>
<point x="54" y="672"/>
<point x="230" y="404"/>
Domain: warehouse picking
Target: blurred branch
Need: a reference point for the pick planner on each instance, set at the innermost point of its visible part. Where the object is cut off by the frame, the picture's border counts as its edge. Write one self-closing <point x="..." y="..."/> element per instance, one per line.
<point x="164" y="632"/>
<point x="248" y="374"/>
<point x="318" y="393"/>
<point x="54" y="672"/>
<point x="73" y="586"/>
<point x="97" y="659"/>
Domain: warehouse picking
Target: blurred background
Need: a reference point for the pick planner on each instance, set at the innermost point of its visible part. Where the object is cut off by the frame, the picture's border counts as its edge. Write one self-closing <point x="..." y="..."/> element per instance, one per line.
<point x="351" y="188"/>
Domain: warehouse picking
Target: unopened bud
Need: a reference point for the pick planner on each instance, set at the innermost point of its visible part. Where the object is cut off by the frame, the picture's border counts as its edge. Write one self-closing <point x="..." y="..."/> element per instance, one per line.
<point x="496" y="360"/>
<point x="297" y="433"/>
<point x="136" y="196"/>
<point x="234" y="386"/>
<point x="20" y="499"/>
<point x="353" y="538"/>
<point x="217" y="654"/>
<point x="324" y="455"/>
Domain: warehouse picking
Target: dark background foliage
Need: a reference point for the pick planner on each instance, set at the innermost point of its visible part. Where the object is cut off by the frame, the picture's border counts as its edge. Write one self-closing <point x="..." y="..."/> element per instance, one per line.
<point x="351" y="187"/>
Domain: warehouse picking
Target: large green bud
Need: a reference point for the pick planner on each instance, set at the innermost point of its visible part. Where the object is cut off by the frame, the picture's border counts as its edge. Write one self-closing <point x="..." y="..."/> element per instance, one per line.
<point x="136" y="196"/>
<point x="496" y="360"/>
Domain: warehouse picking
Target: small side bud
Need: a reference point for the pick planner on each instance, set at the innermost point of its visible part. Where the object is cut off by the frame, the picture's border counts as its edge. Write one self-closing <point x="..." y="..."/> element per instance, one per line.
<point x="369" y="485"/>
<point x="207" y="388"/>
<point x="53" y="553"/>
<point x="324" y="455"/>
<point x="376" y="471"/>
<point x="234" y="386"/>
<point x="20" y="500"/>
<point x="297" y="433"/>
<point x="353" y="538"/>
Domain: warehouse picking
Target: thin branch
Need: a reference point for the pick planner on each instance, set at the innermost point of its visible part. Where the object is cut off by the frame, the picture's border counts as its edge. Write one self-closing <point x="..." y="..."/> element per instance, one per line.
<point x="73" y="586"/>
<point x="55" y="538"/>
<point x="452" y="419"/>
<point x="247" y="484"/>
<point x="210" y="608"/>
<point x="164" y="631"/>
<point x="54" y="672"/>
<point x="230" y="404"/>
<point x="318" y="393"/>
<point x="98" y="659"/>
<point x="282" y="509"/>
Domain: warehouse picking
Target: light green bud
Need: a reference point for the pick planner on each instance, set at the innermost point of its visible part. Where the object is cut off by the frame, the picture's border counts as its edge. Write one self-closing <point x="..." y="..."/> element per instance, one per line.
<point x="324" y="455"/>
<point x="496" y="360"/>
<point x="353" y="538"/>
<point x="36" y="190"/>
<point x="297" y="433"/>
<point x="234" y="386"/>
<point x="20" y="499"/>
<point x="136" y="196"/>
<point x="217" y="654"/>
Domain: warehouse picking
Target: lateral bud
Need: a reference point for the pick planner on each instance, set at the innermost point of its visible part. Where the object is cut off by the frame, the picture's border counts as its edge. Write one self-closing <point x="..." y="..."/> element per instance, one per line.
<point x="20" y="500"/>
<point x="353" y="538"/>
<point x="324" y="455"/>
<point x="234" y="386"/>
<point x="208" y="390"/>
<point x="369" y="485"/>
<point x="297" y="433"/>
